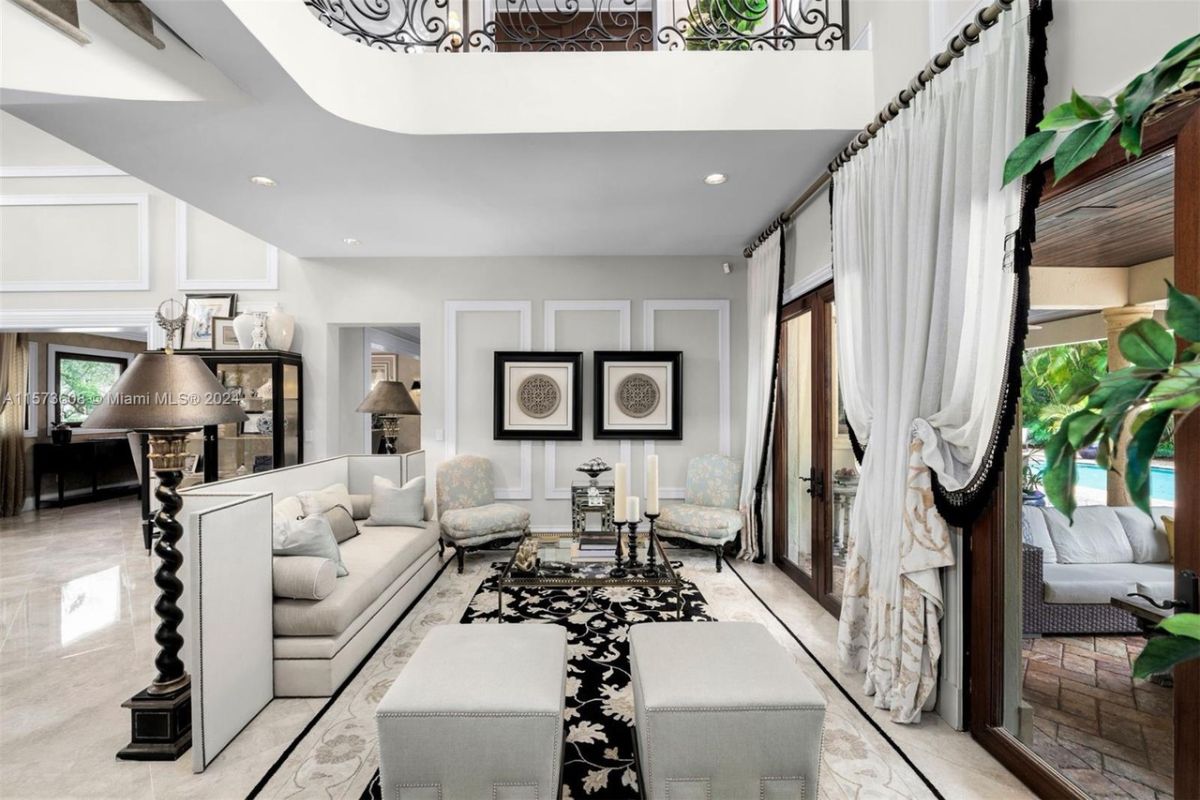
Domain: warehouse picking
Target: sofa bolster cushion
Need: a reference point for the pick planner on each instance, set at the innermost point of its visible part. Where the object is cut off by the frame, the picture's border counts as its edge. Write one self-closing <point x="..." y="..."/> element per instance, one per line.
<point x="341" y="522"/>
<point x="1034" y="531"/>
<point x="375" y="559"/>
<point x="469" y="523"/>
<point x="1097" y="537"/>
<point x="303" y="577"/>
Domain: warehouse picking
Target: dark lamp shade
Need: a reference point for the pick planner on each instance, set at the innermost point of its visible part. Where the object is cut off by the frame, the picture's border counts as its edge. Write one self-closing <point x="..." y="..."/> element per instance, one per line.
<point x="389" y="397"/>
<point x="416" y="387"/>
<point x="159" y="392"/>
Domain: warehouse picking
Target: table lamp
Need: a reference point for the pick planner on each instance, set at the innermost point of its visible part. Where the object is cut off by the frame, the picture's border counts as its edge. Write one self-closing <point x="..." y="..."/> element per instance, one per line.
<point x="165" y="396"/>
<point x="389" y="400"/>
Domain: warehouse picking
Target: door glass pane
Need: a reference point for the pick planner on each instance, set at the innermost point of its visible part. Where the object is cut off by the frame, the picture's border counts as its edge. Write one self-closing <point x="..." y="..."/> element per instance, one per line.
<point x="799" y="550"/>
<point x="291" y="415"/>
<point x="245" y="447"/>
<point x="844" y="469"/>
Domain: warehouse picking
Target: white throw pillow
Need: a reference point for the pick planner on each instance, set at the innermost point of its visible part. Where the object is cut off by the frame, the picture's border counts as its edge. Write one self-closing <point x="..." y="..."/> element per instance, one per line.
<point x="1034" y="531"/>
<point x="397" y="505"/>
<point x="1149" y="541"/>
<point x="1097" y="536"/>
<point x="310" y="536"/>
<point x="327" y="498"/>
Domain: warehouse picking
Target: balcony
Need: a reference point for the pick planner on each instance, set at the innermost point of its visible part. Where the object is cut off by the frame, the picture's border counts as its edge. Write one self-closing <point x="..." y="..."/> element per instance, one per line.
<point x="420" y="26"/>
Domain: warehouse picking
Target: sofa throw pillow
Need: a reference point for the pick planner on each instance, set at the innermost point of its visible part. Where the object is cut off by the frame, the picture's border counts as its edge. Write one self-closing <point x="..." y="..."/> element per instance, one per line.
<point x="1169" y="527"/>
<point x="327" y="498"/>
<point x="1034" y="531"/>
<point x="303" y="577"/>
<point x="1097" y="536"/>
<point x="397" y="505"/>
<point x="310" y="536"/>
<point x="341" y="523"/>
<point x="360" y="506"/>
<point x="1149" y="542"/>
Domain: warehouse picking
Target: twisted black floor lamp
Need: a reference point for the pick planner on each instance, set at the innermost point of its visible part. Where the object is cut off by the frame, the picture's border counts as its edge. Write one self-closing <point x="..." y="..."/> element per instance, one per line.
<point x="166" y="396"/>
<point x="388" y="401"/>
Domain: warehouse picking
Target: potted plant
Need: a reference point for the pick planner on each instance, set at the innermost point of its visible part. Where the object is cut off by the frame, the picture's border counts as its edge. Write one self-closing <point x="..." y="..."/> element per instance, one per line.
<point x="1163" y="382"/>
<point x="1031" y="483"/>
<point x="60" y="433"/>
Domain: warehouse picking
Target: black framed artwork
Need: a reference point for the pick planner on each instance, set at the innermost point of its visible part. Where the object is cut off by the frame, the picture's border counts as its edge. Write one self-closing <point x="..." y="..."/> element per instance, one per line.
<point x="639" y="394"/>
<point x="538" y="395"/>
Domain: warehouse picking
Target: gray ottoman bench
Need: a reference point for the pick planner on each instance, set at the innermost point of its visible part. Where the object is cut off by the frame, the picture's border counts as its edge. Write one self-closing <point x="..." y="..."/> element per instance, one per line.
<point x="722" y="711"/>
<point x="476" y="714"/>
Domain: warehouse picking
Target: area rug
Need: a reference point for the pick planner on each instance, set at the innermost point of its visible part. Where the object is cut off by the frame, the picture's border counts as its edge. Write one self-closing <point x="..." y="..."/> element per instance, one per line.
<point x="598" y="748"/>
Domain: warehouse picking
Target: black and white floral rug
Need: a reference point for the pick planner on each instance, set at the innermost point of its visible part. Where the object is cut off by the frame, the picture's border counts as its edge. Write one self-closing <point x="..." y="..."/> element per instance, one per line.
<point x="598" y="732"/>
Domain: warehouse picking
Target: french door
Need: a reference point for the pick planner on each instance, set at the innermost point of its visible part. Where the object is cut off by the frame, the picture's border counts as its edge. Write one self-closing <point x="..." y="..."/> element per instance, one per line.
<point x="815" y="476"/>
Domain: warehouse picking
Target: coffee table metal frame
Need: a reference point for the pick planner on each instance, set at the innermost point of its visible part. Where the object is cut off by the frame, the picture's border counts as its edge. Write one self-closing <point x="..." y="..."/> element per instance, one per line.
<point x="665" y="579"/>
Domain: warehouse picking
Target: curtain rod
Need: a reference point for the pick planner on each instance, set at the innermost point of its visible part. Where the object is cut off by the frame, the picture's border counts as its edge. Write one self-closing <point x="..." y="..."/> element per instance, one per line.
<point x="939" y="63"/>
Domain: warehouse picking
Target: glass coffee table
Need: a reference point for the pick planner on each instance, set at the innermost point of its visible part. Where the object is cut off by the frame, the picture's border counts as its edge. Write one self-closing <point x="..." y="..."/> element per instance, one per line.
<point x="582" y="561"/>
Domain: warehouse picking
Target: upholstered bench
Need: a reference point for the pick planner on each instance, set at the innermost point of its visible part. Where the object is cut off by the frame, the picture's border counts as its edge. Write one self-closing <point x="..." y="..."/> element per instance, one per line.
<point x="722" y="710"/>
<point x="476" y="714"/>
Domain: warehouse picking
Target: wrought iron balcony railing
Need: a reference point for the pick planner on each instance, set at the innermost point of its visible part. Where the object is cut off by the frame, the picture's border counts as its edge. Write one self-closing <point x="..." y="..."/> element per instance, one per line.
<point x="587" y="25"/>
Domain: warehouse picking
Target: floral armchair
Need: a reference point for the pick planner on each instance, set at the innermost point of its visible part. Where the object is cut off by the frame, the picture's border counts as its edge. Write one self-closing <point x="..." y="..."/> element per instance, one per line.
<point x="468" y="512"/>
<point x="709" y="515"/>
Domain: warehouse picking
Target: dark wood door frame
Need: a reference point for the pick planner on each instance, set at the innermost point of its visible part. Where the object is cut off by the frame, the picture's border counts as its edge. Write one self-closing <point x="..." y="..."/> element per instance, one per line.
<point x="984" y="555"/>
<point x="820" y="583"/>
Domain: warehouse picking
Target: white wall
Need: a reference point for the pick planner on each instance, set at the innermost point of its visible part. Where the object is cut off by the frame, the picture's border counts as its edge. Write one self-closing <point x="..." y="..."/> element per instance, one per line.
<point x="684" y="303"/>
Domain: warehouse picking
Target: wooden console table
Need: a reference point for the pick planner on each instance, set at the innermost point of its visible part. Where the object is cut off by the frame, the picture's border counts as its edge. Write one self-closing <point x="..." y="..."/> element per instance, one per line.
<point x="87" y="457"/>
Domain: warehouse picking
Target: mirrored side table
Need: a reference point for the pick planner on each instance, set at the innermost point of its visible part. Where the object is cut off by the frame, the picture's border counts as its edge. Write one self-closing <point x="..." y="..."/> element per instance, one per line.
<point x="587" y="498"/>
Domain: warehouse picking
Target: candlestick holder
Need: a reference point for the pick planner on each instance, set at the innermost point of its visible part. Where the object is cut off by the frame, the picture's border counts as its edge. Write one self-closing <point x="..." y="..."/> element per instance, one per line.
<point x="619" y="570"/>
<point x="651" y="570"/>
<point x="633" y="547"/>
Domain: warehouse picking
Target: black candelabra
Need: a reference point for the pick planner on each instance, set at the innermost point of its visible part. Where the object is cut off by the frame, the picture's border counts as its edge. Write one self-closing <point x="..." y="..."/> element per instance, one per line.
<point x="651" y="570"/>
<point x="619" y="570"/>
<point x="633" y="544"/>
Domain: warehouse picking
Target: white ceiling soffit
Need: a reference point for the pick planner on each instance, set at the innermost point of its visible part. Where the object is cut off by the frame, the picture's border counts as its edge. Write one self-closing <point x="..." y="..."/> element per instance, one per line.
<point x="631" y="192"/>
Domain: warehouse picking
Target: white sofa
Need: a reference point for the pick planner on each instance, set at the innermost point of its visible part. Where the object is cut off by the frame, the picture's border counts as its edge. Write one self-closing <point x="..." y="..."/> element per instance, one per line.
<point x="1072" y="571"/>
<point x="318" y="643"/>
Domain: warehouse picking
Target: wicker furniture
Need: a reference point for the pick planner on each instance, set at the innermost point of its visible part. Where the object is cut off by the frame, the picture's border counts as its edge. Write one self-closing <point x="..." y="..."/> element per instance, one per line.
<point x="1040" y="617"/>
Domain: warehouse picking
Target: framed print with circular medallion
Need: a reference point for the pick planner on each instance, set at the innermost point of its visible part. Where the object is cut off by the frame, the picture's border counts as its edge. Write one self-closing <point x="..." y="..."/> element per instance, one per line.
<point x="538" y="395"/>
<point x="639" y="395"/>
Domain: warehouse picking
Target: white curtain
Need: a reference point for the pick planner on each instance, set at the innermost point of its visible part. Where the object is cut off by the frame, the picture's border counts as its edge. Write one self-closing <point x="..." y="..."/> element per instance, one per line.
<point x="765" y="277"/>
<point x="923" y="238"/>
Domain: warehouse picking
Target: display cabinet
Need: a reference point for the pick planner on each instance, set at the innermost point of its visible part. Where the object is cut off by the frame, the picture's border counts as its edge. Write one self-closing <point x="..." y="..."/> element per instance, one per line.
<point x="269" y="385"/>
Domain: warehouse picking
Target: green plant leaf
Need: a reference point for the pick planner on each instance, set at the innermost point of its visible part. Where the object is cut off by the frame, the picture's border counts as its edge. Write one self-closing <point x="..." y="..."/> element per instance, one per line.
<point x="1136" y="98"/>
<point x="1164" y="652"/>
<point x="1059" y="118"/>
<point x="1131" y="138"/>
<point x="1082" y="428"/>
<point x="1059" y="480"/>
<point x="1079" y="388"/>
<point x="1080" y="145"/>
<point x="1183" y="314"/>
<point x="1102" y="453"/>
<point x="1184" y="51"/>
<point x="1089" y="106"/>
<point x="1027" y="155"/>
<point x="1142" y="445"/>
<point x="1178" y="390"/>
<point x="1147" y="344"/>
<point x="1182" y="625"/>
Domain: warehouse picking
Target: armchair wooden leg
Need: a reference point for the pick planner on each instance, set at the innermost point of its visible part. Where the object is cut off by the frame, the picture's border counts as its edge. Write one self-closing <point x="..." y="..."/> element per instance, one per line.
<point x="441" y="548"/>
<point x="459" y="553"/>
<point x="717" y="552"/>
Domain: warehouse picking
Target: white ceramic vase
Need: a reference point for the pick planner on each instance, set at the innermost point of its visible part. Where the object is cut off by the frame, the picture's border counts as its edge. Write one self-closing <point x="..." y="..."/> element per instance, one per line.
<point x="243" y="328"/>
<point x="281" y="327"/>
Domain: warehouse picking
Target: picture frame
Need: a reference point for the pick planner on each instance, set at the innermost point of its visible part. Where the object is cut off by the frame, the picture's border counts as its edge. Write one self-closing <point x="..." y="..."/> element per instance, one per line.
<point x="259" y="423"/>
<point x="223" y="335"/>
<point x="638" y="394"/>
<point x="199" y="311"/>
<point x="384" y="367"/>
<point x="538" y="396"/>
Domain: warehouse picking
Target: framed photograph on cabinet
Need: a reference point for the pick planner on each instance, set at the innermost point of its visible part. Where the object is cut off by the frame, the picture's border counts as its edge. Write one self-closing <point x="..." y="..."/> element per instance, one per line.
<point x="639" y="395"/>
<point x="223" y="335"/>
<point x="199" y="311"/>
<point x="538" y="395"/>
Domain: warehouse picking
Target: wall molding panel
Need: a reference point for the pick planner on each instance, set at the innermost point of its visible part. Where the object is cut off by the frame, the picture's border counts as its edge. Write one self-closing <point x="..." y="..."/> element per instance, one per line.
<point x="452" y="309"/>
<point x="183" y="282"/>
<point x="724" y="405"/>
<point x="54" y="319"/>
<point x="141" y="201"/>
<point x="550" y="311"/>
<point x="62" y="171"/>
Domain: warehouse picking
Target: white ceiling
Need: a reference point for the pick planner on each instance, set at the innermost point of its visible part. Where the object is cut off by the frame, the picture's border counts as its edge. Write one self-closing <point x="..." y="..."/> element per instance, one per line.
<point x="404" y="195"/>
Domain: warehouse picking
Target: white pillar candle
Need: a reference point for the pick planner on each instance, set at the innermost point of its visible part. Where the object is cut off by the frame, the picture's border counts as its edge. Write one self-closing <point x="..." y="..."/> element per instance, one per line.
<point x="634" y="511"/>
<point x="652" y="484"/>
<point x="620" y="490"/>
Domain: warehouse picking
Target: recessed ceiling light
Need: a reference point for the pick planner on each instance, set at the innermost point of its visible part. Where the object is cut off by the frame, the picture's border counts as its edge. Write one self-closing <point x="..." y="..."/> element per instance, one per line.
<point x="261" y="180"/>
<point x="351" y="240"/>
<point x="716" y="179"/>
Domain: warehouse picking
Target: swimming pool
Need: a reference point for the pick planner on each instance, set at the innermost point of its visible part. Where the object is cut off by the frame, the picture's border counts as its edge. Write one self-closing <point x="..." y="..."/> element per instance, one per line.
<point x="1162" y="480"/>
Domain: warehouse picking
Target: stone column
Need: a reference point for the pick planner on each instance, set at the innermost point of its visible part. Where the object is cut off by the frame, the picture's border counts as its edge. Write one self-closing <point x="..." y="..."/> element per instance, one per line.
<point x="1117" y="320"/>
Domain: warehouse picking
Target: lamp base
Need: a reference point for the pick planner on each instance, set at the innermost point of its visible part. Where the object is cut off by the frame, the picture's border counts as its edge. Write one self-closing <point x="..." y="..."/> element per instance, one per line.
<point x="161" y="725"/>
